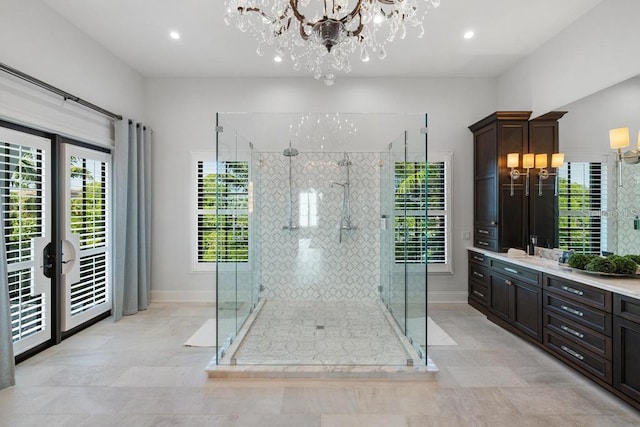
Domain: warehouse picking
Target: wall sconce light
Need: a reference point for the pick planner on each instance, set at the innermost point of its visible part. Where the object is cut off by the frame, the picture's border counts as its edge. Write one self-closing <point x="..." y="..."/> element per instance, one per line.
<point x="619" y="139"/>
<point x="538" y="161"/>
<point x="513" y="159"/>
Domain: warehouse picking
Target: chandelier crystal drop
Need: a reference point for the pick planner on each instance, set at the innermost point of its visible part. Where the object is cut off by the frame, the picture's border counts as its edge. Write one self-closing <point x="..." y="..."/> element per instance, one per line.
<point x="320" y="36"/>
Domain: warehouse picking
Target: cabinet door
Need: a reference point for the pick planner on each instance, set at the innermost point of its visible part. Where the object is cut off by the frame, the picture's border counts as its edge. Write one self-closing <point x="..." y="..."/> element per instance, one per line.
<point x="500" y="300"/>
<point x="486" y="176"/>
<point x="626" y="353"/>
<point x="526" y="309"/>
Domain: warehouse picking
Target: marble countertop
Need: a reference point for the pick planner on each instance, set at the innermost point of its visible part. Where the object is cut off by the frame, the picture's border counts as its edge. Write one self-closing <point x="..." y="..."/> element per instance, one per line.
<point x="628" y="286"/>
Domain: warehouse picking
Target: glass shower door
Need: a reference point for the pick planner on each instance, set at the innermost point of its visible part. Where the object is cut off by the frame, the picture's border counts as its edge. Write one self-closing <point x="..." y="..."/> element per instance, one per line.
<point x="230" y="220"/>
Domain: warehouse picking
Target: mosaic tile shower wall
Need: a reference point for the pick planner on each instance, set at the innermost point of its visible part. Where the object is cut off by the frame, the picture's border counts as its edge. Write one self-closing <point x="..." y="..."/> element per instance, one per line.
<point x="627" y="209"/>
<point x="310" y="263"/>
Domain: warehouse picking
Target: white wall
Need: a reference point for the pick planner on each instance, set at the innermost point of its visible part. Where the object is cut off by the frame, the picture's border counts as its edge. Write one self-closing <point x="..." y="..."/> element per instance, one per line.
<point x="182" y="114"/>
<point x="598" y="50"/>
<point x="39" y="42"/>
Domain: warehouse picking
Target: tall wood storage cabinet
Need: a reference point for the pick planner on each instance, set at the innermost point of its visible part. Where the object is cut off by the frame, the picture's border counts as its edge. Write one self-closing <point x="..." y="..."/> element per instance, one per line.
<point x="504" y="219"/>
<point x="500" y="220"/>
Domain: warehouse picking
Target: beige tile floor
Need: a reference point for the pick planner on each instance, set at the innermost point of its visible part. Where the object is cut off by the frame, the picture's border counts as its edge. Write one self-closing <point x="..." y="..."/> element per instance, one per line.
<point x="138" y="373"/>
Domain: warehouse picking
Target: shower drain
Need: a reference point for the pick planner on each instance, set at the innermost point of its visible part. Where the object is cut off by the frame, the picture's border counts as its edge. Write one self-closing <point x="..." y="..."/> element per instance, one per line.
<point x="319" y="326"/>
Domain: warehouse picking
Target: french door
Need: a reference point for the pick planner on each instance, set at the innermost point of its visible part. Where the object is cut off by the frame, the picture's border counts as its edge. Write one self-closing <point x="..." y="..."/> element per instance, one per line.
<point x="26" y="194"/>
<point x="85" y="235"/>
<point x="55" y="196"/>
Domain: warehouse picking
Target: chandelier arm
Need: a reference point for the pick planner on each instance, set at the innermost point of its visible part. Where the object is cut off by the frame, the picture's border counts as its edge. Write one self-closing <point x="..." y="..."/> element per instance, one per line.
<point x="358" y="30"/>
<point x="258" y="11"/>
<point x="303" y="34"/>
<point x="293" y="4"/>
<point x="355" y="12"/>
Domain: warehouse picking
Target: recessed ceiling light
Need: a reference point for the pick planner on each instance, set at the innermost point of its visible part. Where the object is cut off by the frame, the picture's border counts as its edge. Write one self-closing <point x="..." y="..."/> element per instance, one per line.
<point x="174" y="35"/>
<point x="277" y="58"/>
<point x="468" y="35"/>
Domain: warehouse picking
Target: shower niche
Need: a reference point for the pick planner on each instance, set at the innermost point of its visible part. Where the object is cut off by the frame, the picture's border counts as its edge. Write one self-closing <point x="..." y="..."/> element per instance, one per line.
<point x="315" y="202"/>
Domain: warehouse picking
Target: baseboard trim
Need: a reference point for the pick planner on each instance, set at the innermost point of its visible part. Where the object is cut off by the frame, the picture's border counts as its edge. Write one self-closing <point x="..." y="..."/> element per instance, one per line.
<point x="447" y="297"/>
<point x="183" y="296"/>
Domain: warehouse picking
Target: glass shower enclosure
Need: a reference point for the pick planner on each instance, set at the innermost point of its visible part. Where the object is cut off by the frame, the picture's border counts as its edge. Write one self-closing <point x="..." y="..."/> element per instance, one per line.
<point x="306" y="210"/>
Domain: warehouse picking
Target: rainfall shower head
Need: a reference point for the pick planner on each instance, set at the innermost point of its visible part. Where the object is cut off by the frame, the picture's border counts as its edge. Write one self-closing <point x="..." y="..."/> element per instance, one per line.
<point x="290" y="152"/>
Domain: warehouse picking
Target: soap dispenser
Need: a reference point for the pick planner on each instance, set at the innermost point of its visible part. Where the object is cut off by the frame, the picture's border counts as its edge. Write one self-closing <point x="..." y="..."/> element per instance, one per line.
<point x="532" y="245"/>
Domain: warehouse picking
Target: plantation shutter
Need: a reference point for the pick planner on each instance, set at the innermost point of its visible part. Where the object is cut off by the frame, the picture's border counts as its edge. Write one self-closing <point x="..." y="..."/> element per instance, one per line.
<point x="437" y="213"/>
<point x="582" y="205"/>
<point x="222" y="211"/>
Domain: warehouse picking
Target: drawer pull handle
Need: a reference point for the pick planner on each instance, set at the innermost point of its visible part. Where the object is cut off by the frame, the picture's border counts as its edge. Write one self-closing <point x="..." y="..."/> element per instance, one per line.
<point x="572" y="310"/>
<point x="480" y="275"/>
<point x="483" y="232"/>
<point x="508" y="282"/>
<point x="480" y="294"/>
<point x="477" y="258"/>
<point x="480" y="242"/>
<point x="572" y="290"/>
<point x="511" y="270"/>
<point x="573" y="353"/>
<point x="572" y="331"/>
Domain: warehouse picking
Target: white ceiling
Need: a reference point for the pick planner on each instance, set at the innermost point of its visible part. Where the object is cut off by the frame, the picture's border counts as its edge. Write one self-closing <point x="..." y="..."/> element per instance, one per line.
<point x="136" y="31"/>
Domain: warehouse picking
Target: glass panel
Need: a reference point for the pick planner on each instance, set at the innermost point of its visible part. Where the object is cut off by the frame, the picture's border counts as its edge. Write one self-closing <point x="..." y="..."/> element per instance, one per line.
<point x="316" y="229"/>
<point x="224" y="222"/>
<point x="417" y="240"/>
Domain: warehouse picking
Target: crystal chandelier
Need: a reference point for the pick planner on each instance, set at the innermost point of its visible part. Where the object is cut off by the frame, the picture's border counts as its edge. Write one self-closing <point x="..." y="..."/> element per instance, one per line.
<point x="321" y="35"/>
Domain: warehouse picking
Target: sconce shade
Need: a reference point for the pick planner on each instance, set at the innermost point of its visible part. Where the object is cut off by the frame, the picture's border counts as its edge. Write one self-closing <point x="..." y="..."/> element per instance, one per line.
<point x="527" y="160"/>
<point x="512" y="160"/>
<point x="557" y="160"/>
<point x="619" y="138"/>
<point x="541" y="160"/>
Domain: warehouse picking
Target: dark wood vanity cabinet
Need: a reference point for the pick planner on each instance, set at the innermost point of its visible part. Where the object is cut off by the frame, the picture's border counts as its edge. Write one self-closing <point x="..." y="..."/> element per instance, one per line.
<point x="506" y="293"/>
<point x="504" y="219"/>
<point x="593" y="330"/>
<point x="494" y="209"/>
<point x="578" y="326"/>
<point x="626" y="344"/>
<point x="515" y="297"/>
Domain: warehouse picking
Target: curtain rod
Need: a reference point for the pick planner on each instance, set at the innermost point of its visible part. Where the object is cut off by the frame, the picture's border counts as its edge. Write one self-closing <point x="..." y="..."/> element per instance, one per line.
<point x="66" y="95"/>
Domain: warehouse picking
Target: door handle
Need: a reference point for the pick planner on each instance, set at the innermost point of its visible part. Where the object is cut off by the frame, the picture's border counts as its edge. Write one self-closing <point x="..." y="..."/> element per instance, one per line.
<point x="43" y="255"/>
<point x="70" y="262"/>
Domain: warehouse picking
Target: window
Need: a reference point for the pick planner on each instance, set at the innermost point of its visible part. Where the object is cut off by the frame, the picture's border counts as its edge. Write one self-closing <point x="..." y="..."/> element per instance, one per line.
<point x="221" y="223"/>
<point x="582" y="201"/>
<point x="420" y="238"/>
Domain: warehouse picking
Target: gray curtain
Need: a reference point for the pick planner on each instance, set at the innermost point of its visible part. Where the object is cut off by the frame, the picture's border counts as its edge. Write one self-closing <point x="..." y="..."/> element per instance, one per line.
<point x="132" y="240"/>
<point x="7" y="365"/>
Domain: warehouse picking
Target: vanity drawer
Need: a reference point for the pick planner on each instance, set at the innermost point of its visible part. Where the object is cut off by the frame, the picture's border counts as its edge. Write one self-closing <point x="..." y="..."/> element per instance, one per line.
<point x="488" y="244"/>
<point x="515" y="271"/>
<point x="478" y="258"/>
<point x="485" y="232"/>
<point x="581" y="335"/>
<point x="585" y="294"/>
<point x="579" y="356"/>
<point x="590" y="317"/>
<point x="479" y="274"/>
<point x="626" y="307"/>
<point x="479" y="292"/>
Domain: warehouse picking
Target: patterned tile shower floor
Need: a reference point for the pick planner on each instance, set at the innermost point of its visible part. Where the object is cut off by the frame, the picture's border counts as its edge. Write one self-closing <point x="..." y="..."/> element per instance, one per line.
<point x="321" y="333"/>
